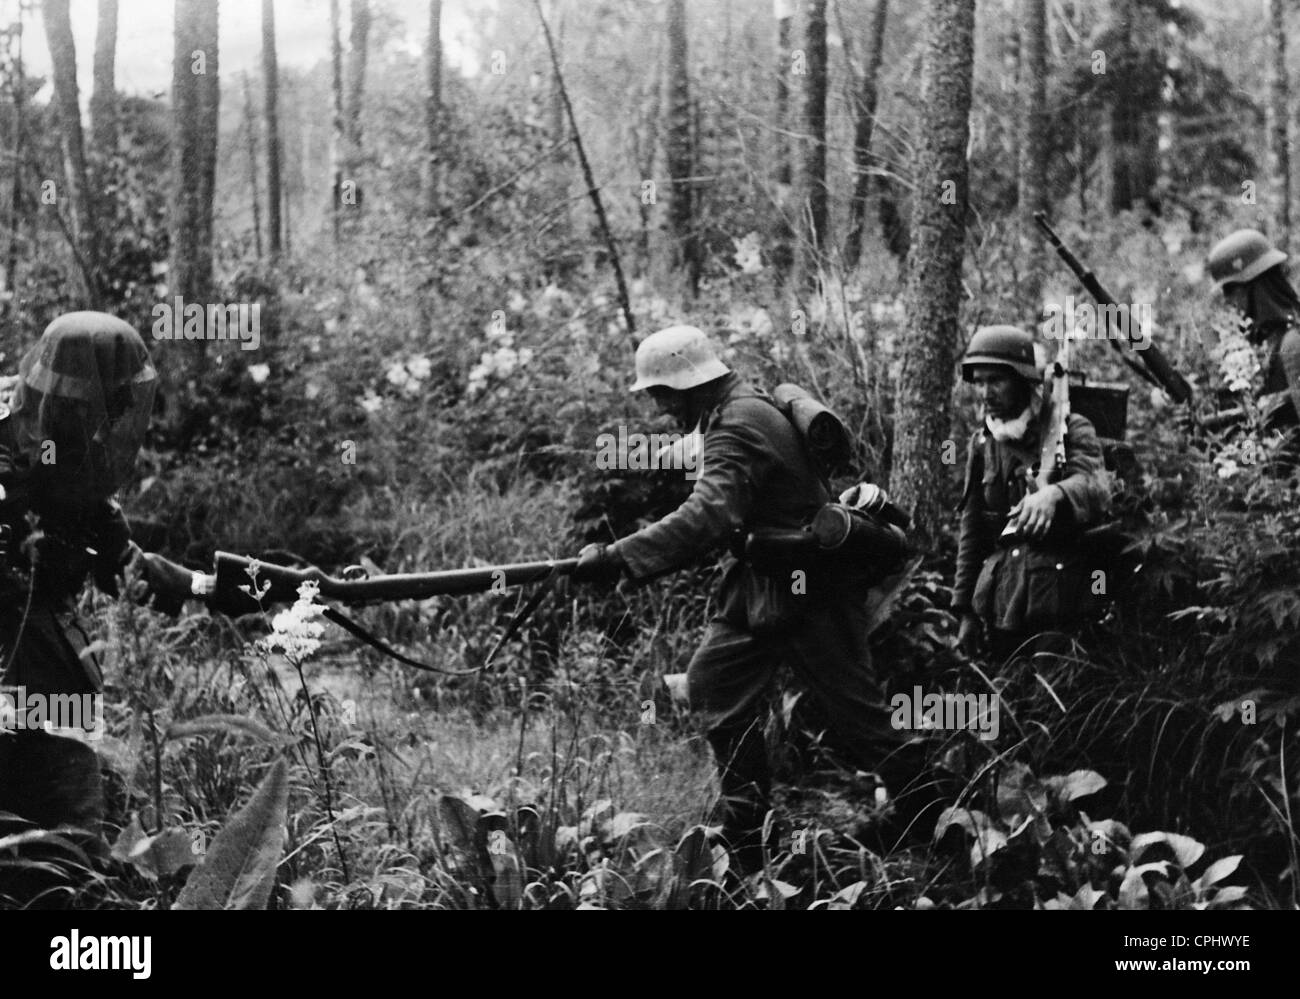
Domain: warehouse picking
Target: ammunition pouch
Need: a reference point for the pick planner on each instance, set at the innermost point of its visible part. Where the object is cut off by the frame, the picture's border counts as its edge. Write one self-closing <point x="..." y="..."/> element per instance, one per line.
<point x="840" y="543"/>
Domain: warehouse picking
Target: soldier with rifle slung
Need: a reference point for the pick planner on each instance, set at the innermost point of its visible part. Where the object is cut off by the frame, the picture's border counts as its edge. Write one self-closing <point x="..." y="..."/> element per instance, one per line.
<point x="756" y="476"/>
<point x="1249" y="271"/>
<point x="1034" y="483"/>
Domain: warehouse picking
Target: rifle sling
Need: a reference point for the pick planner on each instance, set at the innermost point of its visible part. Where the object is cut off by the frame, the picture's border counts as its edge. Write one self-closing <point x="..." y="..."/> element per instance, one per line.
<point x="356" y="630"/>
<point x="523" y="614"/>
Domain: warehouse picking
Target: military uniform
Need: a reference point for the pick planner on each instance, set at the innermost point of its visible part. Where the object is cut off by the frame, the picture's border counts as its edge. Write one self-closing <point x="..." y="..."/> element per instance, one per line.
<point x="755" y="476"/>
<point x="1016" y="586"/>
<point x="86" y="389"/>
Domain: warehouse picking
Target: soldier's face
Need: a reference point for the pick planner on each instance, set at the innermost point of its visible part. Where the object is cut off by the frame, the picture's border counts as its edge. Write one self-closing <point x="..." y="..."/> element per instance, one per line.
<point x="671" y="402"/>
<point x="1003" y="393"/>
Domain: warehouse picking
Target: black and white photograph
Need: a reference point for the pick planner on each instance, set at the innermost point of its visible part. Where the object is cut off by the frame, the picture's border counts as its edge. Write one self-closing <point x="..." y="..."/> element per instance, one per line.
<point x="775" y="455"/>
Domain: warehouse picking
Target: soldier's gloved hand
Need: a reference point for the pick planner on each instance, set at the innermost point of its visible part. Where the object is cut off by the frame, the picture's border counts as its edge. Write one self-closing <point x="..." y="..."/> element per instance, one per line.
<point x="864" y="496"/>
<point x="599" y="564"/>
<point x="168" y="584"/>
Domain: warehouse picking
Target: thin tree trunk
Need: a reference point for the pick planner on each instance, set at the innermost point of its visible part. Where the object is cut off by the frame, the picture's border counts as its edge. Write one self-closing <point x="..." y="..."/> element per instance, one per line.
<point x="1011" y="82"/>
<point x="1279" y="127"/>
<point x="103" y="100"/>
<point x="271" y="83"/>
<point x="63" y="56"/>
<point x="250" y="126"/>
<point x="867" y="102"/>
<point x="679" y="147"/>
<point x="195" y="104"/>
<point x="16" y="217"/>
<point x="784" y="11"/>
<point x="934" y="286"/>
<point x="433" y="113"/>
<point x="646" y="154"/>
<point x="594" y="191"/>
<point x="813" y="203"/>
<point x="1032" y="180"/>
<point x="357" y="54"/>
<point x="336" y="127"/>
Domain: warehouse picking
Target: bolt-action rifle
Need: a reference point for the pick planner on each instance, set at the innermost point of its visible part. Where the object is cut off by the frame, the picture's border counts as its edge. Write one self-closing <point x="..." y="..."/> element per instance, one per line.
<point x="236" y="579"/>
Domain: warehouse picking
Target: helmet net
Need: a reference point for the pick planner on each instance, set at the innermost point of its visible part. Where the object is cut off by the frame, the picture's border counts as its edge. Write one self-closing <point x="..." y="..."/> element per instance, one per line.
<point x="82" y="405"/>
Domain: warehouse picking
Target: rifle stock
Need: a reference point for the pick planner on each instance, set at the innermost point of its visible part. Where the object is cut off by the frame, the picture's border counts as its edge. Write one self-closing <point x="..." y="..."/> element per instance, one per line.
<point x="1155" y="367"/>
<point x="233" y="572"/>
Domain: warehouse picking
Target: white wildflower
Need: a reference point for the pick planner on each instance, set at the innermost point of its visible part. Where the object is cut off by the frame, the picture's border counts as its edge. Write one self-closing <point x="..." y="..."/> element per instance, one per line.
<point x="259" y="373"/>
<point x="749" y="254"/>
<point x="294" y="632"/>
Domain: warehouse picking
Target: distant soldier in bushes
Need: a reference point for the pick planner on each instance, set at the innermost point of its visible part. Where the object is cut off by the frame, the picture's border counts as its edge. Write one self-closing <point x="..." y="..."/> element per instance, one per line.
<point x="1248" y="270"/>
<point x="755" y="474"/>
<point x="71" y="423"/>
<point x="1022" y="563"/>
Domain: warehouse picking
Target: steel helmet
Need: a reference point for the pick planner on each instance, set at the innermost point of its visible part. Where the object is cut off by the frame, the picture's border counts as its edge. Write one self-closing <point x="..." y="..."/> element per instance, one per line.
<point x="1006" y="346"/>
<point x="1242" y="256"/>
<point x="679" y="357"/>
<point x="87" y="386"/>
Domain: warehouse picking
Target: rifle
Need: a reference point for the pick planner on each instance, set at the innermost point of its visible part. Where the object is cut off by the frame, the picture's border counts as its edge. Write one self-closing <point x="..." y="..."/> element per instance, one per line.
<point x="1155" y="367"/>
<point x="356" y="588"/>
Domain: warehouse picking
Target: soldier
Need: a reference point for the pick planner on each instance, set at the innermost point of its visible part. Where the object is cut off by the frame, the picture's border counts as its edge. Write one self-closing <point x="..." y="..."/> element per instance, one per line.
<point x="70" y="427"/>
<point x="1021" y="565"/>
<point x="755" y="475"/>
<point x="1248" y="269"/>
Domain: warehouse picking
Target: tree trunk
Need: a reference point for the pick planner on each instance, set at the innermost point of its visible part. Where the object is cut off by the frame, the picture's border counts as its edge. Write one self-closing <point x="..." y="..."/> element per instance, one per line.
<point x="357" y="53"/>
<point x="433" y="113"/>
<point x="16" y="187"/>
<point x="679" y="148"/>
<point x="336" y="128"/>
<point x="250" y="127"/>
<point x="867" y="101"/>
<point x="813" y="202"/>
<point x="103" y="101"/>
<point x="1279" y="128"/>
<point x="195" y="105"/>
<point x="271" y="81"/>
<point x="1011" y="82"/>
<point x="1032" y="180"/>
<point x="934" y="285"/>
<point x="63" y="56"/>
<point x="784" y="11"/>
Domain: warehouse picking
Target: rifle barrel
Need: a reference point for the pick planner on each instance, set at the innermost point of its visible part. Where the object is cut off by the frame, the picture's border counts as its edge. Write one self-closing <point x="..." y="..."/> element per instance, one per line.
<point x="233" y="572"/>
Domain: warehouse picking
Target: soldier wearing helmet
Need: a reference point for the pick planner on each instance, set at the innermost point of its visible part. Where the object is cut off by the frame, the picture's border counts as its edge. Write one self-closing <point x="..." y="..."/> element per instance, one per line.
<point x="1021" y="565"/>
<point x="1248" y="270"/>
<point x="71" y="424"/>
<point x="756" y="475"/>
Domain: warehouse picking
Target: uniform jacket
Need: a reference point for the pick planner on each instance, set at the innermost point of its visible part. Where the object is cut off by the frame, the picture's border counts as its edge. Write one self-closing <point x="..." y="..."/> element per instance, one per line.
<point x="755" y="474"/>
<point x="1280" y="394"/>
<point x="72" y="543"/>
<point x="1028" y="586"/>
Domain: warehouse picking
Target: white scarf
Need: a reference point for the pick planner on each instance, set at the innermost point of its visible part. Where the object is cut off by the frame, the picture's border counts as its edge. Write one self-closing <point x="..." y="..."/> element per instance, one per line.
<point x="1015" y="428"/>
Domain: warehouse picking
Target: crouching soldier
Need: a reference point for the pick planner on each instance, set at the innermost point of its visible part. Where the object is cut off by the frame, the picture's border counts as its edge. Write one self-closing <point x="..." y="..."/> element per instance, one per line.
<point x="71" y="424"/>
<point x="755" y="476"/>
<point x="1022" y="563"/>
